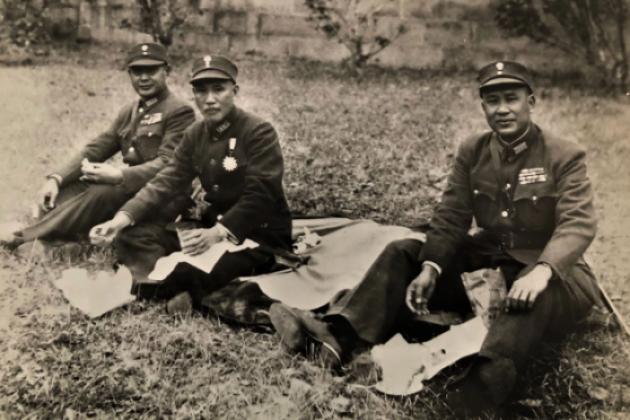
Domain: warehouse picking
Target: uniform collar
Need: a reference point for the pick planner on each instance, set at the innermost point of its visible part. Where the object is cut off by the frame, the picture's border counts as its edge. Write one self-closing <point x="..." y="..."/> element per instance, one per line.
<point x="510" y="150"/>
<point x="151" y="102"/>
<point x="221" y="127"/>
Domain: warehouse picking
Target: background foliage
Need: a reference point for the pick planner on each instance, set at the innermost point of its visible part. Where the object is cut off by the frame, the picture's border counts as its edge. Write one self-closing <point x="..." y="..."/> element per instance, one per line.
<point x="594" y="32"/>
<point x="357" y="24"/>
<point x="160" y="18"/>
<point x="25" y="23"/>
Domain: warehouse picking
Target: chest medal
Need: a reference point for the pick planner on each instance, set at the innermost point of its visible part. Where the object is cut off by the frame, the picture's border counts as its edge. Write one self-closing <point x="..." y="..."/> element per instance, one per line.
<point x="229" y="162"/>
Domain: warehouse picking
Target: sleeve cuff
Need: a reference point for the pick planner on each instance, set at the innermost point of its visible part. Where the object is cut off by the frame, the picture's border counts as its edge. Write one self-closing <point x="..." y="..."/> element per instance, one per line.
<point x="434" y="265"/>
<point x="227" y="233"/>
<point x="550" y="267"/>
<point x="58" y="178"/>
<point x="128" y="215"/>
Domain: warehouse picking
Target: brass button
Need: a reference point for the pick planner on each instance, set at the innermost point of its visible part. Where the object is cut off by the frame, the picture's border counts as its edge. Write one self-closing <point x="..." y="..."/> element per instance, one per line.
<point x="508" y="186"/>
<point x="150" y="134"/>
<point x="476" y="192"/>
<point x="140" y="109"/>
<point x="131" y="149"/>
<point x="505" y="213"/>
<point x="215" y="188"/>
<point x="213" y="161"/>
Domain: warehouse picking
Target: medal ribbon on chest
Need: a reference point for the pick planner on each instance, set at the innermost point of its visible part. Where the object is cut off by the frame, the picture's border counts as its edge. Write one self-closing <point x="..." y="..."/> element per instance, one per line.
<point x="229" y="162"/>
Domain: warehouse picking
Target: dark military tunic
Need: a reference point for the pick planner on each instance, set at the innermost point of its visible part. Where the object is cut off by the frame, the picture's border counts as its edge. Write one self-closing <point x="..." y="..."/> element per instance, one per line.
<point x="533" y="201"/>
<point x="248" y="200"/>
<point x="146" y="134"/>
<point x="535" y="206"/>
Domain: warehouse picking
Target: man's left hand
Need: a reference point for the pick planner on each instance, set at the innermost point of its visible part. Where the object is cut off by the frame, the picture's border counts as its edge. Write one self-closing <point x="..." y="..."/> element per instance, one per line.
<point x="526" y="289"/>
<point x="198" y="241"/>
<point x="100" y="173"/>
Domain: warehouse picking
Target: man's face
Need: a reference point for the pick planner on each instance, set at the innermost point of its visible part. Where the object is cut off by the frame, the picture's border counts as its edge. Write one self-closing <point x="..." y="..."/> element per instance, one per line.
<point x="215" y="97"/>
<point x="148" y="81"/>
<point x="508" y="109"/>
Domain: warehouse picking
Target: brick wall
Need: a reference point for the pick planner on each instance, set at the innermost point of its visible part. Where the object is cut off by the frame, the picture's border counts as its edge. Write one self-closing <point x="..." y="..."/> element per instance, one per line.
<point x="454" y="34"/>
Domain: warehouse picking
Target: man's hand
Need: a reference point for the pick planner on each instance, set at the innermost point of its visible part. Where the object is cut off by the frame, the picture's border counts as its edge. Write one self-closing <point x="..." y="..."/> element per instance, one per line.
<point x="420" y="290"/>
<point x="526" y="289"/>
<point x="100" y="173"/>
<point x="105" y="233"/>
<point x="198" y="241"/>
<point x="48" y="194"/>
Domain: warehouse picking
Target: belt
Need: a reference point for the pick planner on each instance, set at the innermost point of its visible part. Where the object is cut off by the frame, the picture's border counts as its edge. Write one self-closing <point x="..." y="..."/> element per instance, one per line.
<point x="522" y="240"/>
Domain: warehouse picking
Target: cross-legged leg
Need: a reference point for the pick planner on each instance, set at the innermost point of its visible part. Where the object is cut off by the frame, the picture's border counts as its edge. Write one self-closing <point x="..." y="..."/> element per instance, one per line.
<point x="79" y="207"/>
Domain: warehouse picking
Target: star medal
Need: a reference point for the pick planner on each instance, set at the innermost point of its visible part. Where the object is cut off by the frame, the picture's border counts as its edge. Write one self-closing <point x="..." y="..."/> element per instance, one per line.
<point x="229" y="162"/>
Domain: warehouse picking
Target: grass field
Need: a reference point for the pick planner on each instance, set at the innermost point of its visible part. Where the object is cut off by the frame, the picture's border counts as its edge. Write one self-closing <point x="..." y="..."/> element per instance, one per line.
<point x="378" y="148"/>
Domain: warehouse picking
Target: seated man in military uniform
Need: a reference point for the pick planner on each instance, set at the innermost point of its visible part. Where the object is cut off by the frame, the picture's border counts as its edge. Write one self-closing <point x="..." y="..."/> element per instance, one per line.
<point x="529" y="193"/>
<point x="87" y="191"/>
<point x="237" y="158"/>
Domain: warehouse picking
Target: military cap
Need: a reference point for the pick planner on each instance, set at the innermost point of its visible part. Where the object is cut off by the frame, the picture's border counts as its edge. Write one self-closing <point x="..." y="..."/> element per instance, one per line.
<point x="147" y="54"/>
<point x="504" y="73"/>
<point x="213" y="67"/>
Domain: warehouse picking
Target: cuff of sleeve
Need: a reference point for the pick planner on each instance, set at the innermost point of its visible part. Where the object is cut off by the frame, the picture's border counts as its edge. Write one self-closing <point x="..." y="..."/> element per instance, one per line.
<point x="554" y="270"/>
<point x="233" y="227"/>
<point x="132" y="221"/>
<point x="434" y="265"/>
<point x="58" y="178"/>
<point x="227" y="233"/>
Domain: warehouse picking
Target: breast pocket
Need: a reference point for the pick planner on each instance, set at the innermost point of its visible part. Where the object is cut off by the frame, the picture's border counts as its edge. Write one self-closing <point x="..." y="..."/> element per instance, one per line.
<point x="148" y="140"/>
<point x="484" y="199"/>
<point x="535" y="205"/>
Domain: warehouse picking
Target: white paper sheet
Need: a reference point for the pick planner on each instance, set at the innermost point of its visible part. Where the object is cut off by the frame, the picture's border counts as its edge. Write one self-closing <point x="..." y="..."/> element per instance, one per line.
<point x="97" y="293"/>
<point x="205" y="262"/>
<point x="406" y="365"/>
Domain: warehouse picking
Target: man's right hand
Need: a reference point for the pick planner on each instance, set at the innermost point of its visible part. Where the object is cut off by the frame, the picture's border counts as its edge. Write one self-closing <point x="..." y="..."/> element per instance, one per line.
<point x="421" y="289"/>
<point x="105" y="233"/>
<point x="48" y="194"/>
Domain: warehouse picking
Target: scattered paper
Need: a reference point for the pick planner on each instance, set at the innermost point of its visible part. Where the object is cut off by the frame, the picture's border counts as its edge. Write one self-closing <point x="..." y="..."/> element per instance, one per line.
<point x="95" y="294"/>
<point x="204" y="262"/>
<point x="405" y="366"/>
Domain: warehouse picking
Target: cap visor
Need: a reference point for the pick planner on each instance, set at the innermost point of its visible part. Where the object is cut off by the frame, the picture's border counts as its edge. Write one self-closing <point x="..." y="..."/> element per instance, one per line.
<point x="503" y="81"/>
<point x="146" y="62"/>
<point x="210" y="74"/>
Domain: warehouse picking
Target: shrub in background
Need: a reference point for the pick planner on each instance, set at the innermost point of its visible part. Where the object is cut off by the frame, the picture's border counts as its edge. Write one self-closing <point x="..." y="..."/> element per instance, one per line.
<point x="25" y="23"/>
<point x="591" y="30"/>
<point x="160" y="18"/>
<point x="355" y="24"/>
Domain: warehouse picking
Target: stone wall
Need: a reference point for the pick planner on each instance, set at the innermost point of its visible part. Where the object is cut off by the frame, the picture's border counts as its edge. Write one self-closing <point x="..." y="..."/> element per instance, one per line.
<point x="441" y="34"/>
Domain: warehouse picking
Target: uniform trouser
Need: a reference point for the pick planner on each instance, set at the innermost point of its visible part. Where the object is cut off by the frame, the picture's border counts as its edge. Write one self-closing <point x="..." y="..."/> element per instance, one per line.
<point x="376" y="307"/>
<point x="139" y="247"/>
<point x="79" y="207"/>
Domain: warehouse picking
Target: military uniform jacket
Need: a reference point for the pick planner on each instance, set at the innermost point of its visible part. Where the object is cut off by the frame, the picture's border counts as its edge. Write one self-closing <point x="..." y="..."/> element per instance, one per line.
<point x="145" y="133"/>
<point x="247" y="198"/>
<point x="537" y="208"/>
